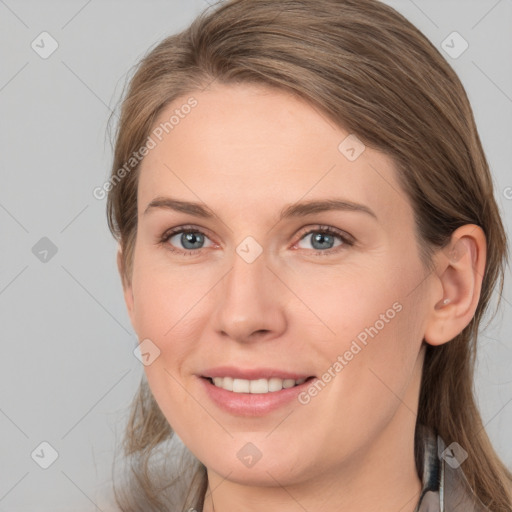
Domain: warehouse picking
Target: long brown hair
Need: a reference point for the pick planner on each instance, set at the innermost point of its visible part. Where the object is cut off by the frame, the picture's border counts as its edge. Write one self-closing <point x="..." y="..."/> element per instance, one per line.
<point x="370" y="70"/>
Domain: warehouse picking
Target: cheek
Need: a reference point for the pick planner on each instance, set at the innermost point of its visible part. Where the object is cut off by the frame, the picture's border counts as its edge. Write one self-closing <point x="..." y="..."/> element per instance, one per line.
<point x="166" y="296"/>
<point x="376" y="325"/>
<point x="166" y="306"/>
<point x="346" y="302"/>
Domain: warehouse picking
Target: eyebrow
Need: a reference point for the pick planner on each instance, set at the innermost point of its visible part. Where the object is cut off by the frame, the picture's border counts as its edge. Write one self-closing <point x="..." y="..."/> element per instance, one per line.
<point x="294" y="210"/>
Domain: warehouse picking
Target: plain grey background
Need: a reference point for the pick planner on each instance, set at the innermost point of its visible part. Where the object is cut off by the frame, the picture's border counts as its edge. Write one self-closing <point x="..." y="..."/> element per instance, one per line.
<point x="68" y="372"/>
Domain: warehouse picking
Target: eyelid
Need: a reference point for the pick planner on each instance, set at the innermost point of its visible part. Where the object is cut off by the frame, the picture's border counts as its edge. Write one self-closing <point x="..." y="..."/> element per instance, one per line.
<point x="184" y="229"/>
<point x="328" y="229"/>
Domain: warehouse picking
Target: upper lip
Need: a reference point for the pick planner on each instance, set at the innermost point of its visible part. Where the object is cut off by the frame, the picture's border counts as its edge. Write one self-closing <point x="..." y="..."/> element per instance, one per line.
<point x="252" y="373"/>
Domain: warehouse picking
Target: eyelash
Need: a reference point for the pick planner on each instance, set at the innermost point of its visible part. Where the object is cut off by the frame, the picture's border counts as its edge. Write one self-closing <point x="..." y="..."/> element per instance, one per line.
<point x="325" y="230"/>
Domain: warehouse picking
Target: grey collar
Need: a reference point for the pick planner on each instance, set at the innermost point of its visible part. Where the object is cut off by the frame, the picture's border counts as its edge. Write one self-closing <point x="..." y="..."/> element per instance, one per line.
<point x="445" y="488"/>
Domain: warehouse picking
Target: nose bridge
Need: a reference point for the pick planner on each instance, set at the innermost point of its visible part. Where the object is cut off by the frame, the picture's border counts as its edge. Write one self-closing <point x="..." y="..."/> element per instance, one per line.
<point x="249" y="301"/>
<point x="246" y="284"/>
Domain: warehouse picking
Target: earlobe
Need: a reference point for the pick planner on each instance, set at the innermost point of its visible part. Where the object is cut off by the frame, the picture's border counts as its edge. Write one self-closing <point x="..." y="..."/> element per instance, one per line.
<point x="460" y="270"/>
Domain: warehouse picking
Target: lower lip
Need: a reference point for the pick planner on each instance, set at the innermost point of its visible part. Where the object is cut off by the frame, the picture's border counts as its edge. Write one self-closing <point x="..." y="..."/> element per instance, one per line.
<point x="252" y="404"/>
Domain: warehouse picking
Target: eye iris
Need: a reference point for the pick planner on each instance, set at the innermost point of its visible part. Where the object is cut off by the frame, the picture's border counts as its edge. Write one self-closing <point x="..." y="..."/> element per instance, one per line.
<point x="195" y="239"/>
<point x="322" y="238"/>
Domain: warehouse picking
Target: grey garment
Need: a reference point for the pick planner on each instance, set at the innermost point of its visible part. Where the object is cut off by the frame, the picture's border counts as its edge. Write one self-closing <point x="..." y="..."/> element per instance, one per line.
<point x="445" y="487"/>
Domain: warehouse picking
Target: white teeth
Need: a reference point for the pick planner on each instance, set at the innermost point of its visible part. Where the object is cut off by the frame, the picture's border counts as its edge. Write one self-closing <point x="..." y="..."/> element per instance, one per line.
<point x="241" y="386"/>
<point x="275" y="384"/>
<point x="227" y="384"/>
<point x="259" y="386"/>
<point x="288" y="383"/>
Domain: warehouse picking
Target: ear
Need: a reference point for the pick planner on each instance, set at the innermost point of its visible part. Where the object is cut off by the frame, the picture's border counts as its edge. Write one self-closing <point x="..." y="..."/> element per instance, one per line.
<point x="127" y="287"/>
<point x="460" y="269"/>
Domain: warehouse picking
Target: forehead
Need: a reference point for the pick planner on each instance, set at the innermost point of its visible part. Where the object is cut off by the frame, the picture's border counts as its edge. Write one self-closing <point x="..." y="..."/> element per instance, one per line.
<point x="241" y="146"/>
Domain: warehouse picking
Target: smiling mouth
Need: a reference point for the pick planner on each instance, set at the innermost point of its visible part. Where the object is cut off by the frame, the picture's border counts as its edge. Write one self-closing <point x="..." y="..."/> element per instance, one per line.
<point x="257" y="386"/>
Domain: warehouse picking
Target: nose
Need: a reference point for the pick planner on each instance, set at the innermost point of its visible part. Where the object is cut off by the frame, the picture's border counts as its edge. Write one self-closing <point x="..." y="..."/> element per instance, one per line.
<point x="250" y="302"/>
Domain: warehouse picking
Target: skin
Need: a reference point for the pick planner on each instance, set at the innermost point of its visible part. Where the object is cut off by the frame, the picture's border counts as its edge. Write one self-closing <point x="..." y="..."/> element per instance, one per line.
<point x="247" y="152"/>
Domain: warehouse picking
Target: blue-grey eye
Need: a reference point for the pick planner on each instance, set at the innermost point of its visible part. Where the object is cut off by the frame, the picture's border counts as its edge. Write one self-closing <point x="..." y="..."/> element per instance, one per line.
<point x="189" y="240"/>
<point x="320" y="240"/>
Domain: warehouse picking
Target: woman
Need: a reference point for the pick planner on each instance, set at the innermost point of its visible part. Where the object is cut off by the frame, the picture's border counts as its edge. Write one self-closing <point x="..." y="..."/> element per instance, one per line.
<point x="308" y="242"/>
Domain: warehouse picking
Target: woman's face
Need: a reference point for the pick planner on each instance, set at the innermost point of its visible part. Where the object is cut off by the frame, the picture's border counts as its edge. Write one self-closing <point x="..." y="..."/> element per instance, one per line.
<point x="257" y="295"/>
